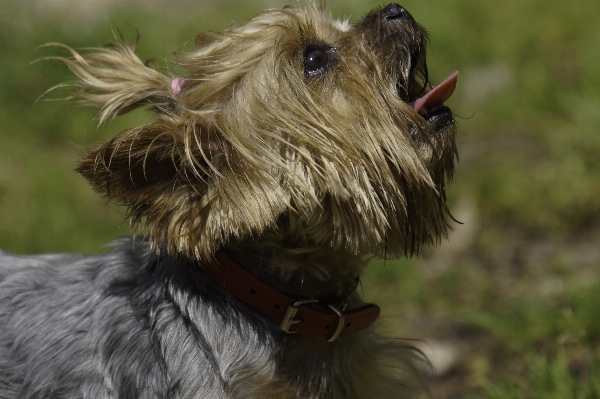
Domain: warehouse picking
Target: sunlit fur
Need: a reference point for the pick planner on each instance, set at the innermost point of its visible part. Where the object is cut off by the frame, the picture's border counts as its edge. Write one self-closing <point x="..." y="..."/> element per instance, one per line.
<point x="252" y="147"/>
<point x="301" y="177"/>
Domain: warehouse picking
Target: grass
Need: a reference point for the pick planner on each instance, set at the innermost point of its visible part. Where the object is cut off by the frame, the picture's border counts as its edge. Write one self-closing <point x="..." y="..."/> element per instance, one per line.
<point x="516" y="288"/>
<point x="548" y="379"/>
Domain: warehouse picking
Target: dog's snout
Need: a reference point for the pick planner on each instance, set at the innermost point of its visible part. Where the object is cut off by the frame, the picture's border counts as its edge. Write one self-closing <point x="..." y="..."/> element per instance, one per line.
<point x="395" y="12"/>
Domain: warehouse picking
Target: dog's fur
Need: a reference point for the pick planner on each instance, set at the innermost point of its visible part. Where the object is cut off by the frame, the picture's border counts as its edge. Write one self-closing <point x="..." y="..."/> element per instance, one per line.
<point x="292" y="145"/>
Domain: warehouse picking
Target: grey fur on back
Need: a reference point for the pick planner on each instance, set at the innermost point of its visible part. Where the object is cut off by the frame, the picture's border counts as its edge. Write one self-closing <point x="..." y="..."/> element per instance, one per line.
<point x="129" y="324"/>
<point x="125" y="324"/>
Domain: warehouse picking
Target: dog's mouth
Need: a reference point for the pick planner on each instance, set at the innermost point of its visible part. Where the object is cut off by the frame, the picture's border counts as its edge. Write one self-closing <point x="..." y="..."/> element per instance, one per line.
<point x="432" y="103"/>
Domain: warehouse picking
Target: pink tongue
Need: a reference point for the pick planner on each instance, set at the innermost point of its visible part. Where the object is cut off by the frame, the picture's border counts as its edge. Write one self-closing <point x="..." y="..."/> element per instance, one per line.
<point x="438" y="95"/>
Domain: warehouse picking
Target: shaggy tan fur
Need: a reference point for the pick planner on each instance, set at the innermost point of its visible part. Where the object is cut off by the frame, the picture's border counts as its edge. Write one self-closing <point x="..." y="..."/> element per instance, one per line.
<point x="321" y="170"/>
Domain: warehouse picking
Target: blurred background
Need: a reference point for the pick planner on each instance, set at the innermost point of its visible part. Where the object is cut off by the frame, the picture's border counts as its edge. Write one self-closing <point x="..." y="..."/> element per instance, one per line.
<point x="509" y="306"/>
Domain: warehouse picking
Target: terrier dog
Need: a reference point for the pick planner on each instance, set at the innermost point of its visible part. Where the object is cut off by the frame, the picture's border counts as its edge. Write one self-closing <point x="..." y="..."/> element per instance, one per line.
<point x="293" y="148"/>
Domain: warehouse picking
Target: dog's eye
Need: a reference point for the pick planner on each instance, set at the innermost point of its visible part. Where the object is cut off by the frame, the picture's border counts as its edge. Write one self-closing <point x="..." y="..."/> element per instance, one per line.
<point x="315" y="60"/>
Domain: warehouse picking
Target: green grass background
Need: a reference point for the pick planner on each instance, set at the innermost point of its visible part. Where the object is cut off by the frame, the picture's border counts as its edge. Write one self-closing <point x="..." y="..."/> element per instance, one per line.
<point x="516" y="289"/>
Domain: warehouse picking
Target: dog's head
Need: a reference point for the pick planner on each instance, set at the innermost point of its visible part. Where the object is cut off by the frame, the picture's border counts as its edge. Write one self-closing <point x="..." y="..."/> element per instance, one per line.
<point x="291" y="124"/>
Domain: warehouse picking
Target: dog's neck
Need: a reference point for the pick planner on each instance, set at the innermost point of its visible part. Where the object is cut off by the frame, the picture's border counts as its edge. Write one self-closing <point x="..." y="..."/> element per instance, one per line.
<point x="311" y="272"/>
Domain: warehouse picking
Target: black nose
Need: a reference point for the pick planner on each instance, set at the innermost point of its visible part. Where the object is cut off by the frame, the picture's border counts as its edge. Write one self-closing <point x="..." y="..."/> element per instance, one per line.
<point x="395" y="11"/>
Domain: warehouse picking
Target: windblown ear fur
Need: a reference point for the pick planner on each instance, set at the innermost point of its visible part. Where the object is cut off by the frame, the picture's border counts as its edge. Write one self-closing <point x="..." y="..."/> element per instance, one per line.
<point x="115" y="80"/>
<point x="180" y="175"/>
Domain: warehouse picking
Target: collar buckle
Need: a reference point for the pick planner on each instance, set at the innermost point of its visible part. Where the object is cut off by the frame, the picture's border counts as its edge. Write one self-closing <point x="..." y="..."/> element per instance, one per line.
<point x="292" y="309"/>
<point x="341" y="320"/>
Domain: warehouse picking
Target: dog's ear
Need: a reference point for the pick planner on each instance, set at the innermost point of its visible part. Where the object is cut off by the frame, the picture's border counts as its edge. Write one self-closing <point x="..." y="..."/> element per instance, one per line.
<point x="115" y="80"/>
<point x="143" y="163"/>
<point x="165" y="172"/>
<point x="186" y="183"/>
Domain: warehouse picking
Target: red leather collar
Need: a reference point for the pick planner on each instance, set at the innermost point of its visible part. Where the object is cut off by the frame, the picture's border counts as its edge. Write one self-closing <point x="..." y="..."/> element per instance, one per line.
<point x="303" y="316"/>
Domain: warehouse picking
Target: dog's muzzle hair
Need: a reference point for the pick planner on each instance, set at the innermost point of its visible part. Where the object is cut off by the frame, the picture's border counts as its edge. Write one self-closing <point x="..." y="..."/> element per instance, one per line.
<point x="297" y="145"/>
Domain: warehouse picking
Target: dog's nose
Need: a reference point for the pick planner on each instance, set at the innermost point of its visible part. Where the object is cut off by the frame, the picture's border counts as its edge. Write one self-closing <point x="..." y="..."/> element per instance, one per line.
<point x="393" y="12"/>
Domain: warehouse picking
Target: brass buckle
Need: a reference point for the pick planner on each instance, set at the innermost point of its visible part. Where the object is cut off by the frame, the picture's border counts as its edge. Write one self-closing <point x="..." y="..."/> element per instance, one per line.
<point x="288" y="319"/>
<point x="341" y="320"/>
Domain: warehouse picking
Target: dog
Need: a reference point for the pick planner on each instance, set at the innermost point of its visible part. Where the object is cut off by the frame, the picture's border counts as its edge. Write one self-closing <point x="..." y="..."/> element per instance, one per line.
<point x="291" y="149"/>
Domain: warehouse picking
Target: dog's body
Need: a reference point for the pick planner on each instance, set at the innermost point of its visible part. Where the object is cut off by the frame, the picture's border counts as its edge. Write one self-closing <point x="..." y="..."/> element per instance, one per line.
<point x="297" y="145"/>
<point x="130" y="325"/>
